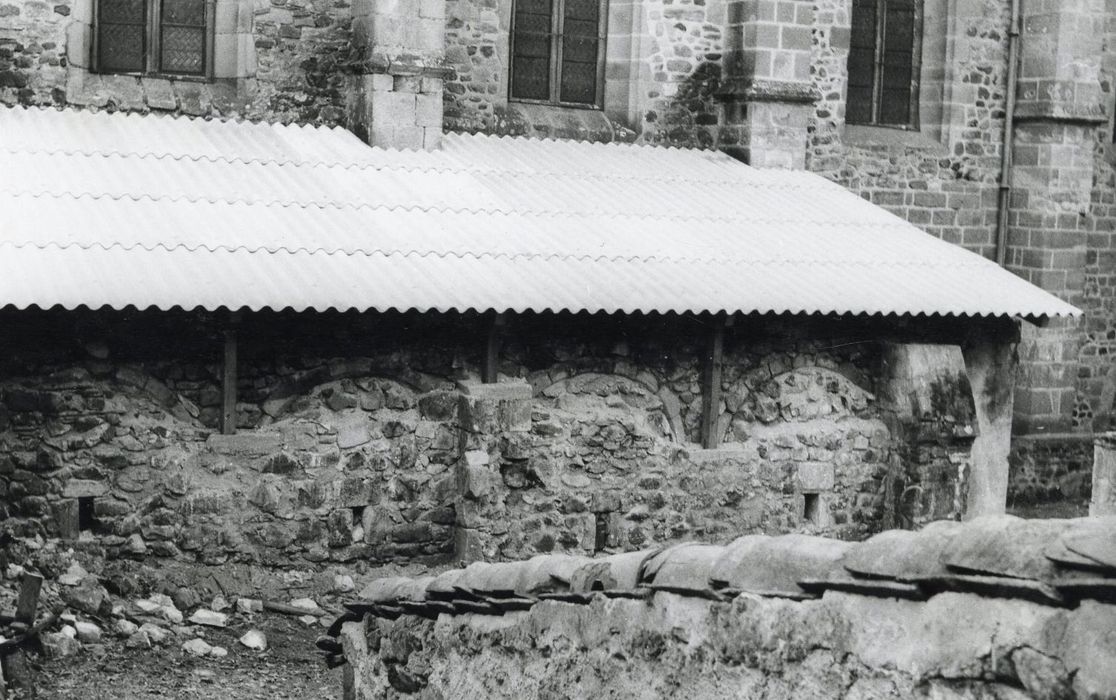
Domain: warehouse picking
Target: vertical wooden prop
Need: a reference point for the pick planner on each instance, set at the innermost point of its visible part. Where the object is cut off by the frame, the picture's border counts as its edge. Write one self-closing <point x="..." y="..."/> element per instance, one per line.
<point x="228" y="377"/>
<point x="491" y="362"/>
<point x="711" y="384"/>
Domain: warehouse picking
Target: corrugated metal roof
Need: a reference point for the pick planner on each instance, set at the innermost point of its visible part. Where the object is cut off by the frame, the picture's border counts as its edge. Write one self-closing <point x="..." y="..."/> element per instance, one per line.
<point x="112" y="210"/>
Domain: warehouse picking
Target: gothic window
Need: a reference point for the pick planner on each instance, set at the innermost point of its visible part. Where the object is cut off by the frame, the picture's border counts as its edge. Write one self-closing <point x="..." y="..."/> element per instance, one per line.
<point x="884" y="60"/>
<point x="558" y="51"/>
<point x="171" y="37"/>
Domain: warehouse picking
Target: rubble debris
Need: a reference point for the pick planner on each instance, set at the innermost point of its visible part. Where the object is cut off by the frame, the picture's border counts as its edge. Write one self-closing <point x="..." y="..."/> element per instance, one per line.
<point x="305" y="607"/>
<point x="155" y="633"/>
<point x="255" y="640"/>
<point x="219" y="604"/>
<point x="59" y="645"/>
<point x="209" y="618"/>
<point x="73" y="575"/>
<point x="87" y="632"/>
<point x="186" y="599"/>
<point x="125" y="628"/>
<point x="196" y="647"/>
<point x="248" y="606"/>
<point x="308" y="605"/>
<point x="343" y="584"/>
<point x="139" y="640"/>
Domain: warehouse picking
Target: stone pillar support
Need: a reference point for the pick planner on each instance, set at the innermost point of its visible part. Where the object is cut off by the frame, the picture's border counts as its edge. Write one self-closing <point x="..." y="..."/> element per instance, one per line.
<point x="991" y="364"/>
<point x="395" y="98"/>
<point x="768" y="97"/>
<point x="494" y="420"/>
<point x="928" y="396"/>
<point x="1104" y="476"/>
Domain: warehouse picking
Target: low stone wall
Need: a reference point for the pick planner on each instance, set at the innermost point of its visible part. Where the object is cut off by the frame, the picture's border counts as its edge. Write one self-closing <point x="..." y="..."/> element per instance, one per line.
<point x="995" y="608"/>
<point x="394" y="452"/>
<point x="1054" y="470"/>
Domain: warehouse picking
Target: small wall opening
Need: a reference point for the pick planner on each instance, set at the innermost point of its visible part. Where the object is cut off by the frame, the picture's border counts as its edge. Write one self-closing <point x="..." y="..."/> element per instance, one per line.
<point x="601" y="540"/>
<point x="812" y="508"/>
<point x="86" y="517"/>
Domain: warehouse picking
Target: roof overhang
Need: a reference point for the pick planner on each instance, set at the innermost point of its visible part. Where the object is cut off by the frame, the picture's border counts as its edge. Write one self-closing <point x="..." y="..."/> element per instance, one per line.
<point x="113" y="210"/>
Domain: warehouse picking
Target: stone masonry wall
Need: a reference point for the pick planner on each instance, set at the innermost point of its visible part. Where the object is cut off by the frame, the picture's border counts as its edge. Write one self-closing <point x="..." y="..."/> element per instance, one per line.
<point x="285" y="62"/>
<point x="1055" y="470"/>
<point x="944" y="177"/>
<point x="951" y="612"/>
<point x="662" y="70"/>
<point x="393" y="452"/>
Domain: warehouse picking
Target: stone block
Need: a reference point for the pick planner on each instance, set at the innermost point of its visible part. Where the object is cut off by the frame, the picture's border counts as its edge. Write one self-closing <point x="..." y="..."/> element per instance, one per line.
<point x="381" y="82"/>
<point x="354" y="434"/>
<point x="357" y="491"/>
<point x="82" y="488"/>
<point x="246" y="444"/>
<point x="815" y="477"/>
<point x="67" y="519"/>
<point x="432" y="9"/>
<point x="226" y="17"/>
<point x="496" y="391"/>
<point x="428" y="110"/>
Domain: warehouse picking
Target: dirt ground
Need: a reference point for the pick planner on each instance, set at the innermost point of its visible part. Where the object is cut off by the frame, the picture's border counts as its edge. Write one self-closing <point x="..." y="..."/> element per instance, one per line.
<point x="290" y="668"/>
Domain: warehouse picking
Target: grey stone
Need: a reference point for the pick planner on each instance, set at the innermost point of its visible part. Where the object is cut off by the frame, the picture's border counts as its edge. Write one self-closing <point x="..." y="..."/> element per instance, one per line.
<point x="254" y="639"/>
<point x="58" y="645"/>
<point x="156" y="634"/>
<point x="87" y="632"/>
<point x="196" y="647"/>
<point x="209" y="618"/>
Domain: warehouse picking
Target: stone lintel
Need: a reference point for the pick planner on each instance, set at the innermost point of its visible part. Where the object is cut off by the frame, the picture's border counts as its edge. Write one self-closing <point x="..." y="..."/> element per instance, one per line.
<point x="700" y="455"/>
<point x="815" y="477"/>
<point x="84" y="488"/>
<point x="758" y="90"/>
<point x="500" y="391"/>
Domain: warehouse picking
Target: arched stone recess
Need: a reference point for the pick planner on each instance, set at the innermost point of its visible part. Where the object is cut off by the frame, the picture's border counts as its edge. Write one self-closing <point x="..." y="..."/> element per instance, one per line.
<point x="352" y="470"/>
<point x="608" y="398"/>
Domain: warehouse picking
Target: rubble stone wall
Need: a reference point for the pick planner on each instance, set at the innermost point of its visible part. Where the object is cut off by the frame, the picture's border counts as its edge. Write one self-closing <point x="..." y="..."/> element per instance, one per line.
<point x="997" y="607"/>
<point x="1051" y="470"/>
<point x="394" y="452"/>
<point x="276" y="60"/>
<point x="843" y="646"/>
<point x="662" y="71"/>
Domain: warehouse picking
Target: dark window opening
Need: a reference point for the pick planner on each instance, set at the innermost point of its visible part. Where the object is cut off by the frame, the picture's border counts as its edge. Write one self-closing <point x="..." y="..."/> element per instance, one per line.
<point x="558" y="51"/>
<point x="601" y="533"/>
<point x="171" y="37"/>
<point x="885" y="55"/>
<point x="812" y="508"/>
<point x="358" y="515"/>
<point x="86" y="517"/>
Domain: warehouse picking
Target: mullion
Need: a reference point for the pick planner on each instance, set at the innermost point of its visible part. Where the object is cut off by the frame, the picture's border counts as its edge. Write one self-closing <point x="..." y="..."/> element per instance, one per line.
<point x="558" y="26"/>
<point x="878" y="65"/>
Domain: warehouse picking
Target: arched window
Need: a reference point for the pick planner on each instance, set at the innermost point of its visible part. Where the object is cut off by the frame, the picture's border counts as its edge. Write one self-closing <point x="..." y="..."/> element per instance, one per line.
<point x="885" y="55"/>
<point x="171" y="37"/>
<point x="557" y="53"/>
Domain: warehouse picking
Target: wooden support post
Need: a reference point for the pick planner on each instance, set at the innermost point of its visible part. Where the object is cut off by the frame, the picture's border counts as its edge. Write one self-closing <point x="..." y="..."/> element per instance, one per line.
<point x="493" y="339"/>
<point x="711" y="384"/>
<point x="228" y="377"/>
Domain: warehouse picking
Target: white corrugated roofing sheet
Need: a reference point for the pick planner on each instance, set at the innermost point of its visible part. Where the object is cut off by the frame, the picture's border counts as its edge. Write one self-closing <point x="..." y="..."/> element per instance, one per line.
<point x="117" y="210"/>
